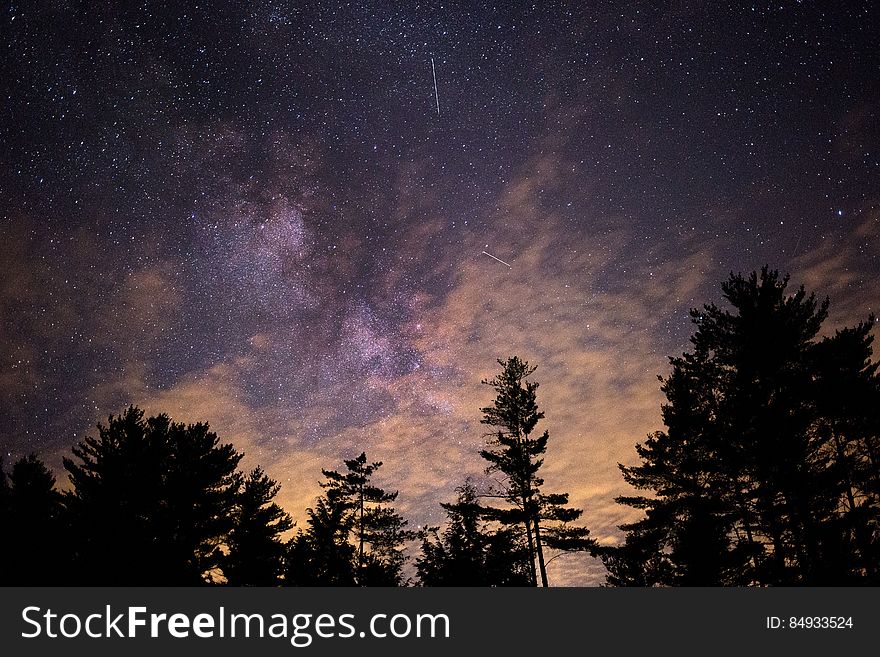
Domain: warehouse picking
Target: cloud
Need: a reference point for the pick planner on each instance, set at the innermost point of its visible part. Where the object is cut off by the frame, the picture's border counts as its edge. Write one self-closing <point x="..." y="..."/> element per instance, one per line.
<point x="140" y="311"/>
<point x="596" y="350"/>
<point x="843" y="267"/>
<point x="307" y="377"/>
<point x="409" y="394"/>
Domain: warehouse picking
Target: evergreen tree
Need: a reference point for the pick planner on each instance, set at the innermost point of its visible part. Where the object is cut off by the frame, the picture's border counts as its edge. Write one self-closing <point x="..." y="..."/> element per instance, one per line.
<point x="516" y="453"/>
<point x="152" y="501"/>
<point x="638" y="562"/>
<point x="33" y="525"/>
<point x="352" y="523"/>
<point x="759" y="477"/>
<point x="322" y="554"/>
<point x="848" y="403"/>
<point x="468" y="553"/>
<point x="377" y="529"/>
<point x="256" y="553"/>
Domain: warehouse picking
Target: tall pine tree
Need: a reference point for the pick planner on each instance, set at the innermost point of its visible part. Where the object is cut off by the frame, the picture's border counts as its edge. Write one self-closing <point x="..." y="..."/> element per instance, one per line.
<point x="515" y="452"/>
<point x="760" y="475"/>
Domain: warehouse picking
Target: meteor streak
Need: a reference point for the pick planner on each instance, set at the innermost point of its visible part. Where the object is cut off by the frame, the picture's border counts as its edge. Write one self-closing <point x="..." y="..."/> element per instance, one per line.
<point x="498" y="259"/>
<point x="436" y="95"/>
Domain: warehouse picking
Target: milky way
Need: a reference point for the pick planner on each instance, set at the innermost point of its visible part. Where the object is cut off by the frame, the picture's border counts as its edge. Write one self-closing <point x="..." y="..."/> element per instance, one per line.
<point x="258" y="217"/>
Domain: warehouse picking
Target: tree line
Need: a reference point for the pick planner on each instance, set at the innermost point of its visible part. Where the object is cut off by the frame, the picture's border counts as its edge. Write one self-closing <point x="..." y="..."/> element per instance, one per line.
<point x="766" y="474"/>
<point x="155" y="502"/>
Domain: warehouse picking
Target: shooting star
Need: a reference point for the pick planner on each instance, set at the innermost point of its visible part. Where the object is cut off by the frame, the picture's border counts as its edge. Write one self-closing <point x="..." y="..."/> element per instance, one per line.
<point x="436" y="95"/>
<point x="498" y="259"/>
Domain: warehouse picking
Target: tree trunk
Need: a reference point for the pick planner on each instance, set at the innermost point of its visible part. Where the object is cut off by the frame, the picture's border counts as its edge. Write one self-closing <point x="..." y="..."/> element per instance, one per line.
<point x="528" y="524"/>
<point x="361" y="541"/>
<point x="540" y="550"/>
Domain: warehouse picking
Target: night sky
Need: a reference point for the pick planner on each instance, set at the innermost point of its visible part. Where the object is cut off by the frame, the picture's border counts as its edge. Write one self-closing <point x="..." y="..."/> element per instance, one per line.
<point x="256" y="217"/>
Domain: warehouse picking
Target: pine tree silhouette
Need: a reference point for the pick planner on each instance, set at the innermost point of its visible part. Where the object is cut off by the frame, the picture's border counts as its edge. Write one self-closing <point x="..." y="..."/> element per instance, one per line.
<point x="152" y="501"/>
<point x="322" y="555"/>
<point x="468" y="552"/>
<point x="517" y="454"/>
<point x="354" y="536"/>
<point x="762" y="476"/>
<point x="33" y="522"/>
<point x="255" y="552"/>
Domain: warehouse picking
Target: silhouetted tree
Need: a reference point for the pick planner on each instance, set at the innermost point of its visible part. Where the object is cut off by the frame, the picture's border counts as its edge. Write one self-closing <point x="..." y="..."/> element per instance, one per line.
<point x="352" y="519"/>
<point x="31" y="517"/>
<point x="638" y="562"/>
<point x="848" y="405"/>
<point x="517" y="454"/>
<point x="756" y="479"/>
<point x="468" y="552"/>
<point x="255" y="552"/>
<point x="152" y="501"/>
<point x="322" y="555"/>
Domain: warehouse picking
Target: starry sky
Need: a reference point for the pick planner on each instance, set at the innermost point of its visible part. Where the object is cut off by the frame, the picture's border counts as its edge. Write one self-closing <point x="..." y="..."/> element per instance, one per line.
<point x="253" y="214"/>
